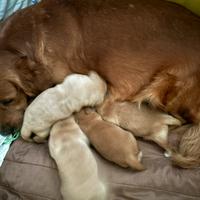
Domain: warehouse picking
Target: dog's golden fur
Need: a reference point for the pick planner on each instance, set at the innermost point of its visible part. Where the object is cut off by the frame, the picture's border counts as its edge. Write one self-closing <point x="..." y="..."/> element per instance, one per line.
<point x="145" y="50"/>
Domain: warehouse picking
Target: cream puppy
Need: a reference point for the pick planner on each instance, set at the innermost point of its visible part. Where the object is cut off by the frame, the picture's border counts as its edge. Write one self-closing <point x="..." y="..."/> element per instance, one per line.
<point x="142" y="121"/>
<point x="60" y="102"/>
<point x="112" y="142"/>
<point x="76" y="164"/>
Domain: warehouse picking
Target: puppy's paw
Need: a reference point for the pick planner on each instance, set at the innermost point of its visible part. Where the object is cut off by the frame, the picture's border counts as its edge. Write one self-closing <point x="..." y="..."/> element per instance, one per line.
<point x="26" y="134"/>
<point x="38" y="139"/>
<point x="88" y="110"/>
<point x="41" y="136"/>
<point x="84" y="114"/>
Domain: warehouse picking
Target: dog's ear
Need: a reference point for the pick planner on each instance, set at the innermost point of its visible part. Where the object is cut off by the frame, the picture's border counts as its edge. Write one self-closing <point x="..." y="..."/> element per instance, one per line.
<point x="34" y="77"/>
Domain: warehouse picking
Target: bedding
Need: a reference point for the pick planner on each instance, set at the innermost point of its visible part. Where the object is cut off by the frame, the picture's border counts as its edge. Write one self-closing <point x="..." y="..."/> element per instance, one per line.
<point x="29" y="173"/>
<point x="193" y="5"/>
<point x="7" y="7"/>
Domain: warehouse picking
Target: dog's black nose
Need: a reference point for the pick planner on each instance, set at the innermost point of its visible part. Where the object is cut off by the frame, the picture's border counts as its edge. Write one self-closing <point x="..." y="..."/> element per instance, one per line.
<point x="6" y="130"/>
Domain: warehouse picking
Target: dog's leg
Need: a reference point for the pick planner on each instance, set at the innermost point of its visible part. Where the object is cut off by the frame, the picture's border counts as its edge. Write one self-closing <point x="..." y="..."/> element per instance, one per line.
<point x="160" y="137"/>
<point x="142" y="120"/>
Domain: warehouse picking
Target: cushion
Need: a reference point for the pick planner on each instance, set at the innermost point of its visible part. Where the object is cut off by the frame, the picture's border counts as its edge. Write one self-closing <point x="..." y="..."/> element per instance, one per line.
<point x="193" y="5"/>
<point x="29" y="173"/>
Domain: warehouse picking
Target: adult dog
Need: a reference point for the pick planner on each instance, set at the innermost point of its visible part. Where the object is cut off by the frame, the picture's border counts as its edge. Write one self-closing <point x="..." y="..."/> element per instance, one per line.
<point x="145" y="50"/>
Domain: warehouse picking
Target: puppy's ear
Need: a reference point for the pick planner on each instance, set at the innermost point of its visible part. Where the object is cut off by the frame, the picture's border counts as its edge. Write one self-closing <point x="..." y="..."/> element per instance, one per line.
<point x="33" y="76"/>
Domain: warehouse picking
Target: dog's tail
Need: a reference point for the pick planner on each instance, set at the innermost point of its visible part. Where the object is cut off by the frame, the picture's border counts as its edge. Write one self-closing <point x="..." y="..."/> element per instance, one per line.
<point x="188" y="153"/>
<point x="183" y="161"/>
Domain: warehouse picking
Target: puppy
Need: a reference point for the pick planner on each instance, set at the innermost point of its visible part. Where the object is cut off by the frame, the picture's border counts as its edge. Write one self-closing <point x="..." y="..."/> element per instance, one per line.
<point x="76" y="164"/>
<point x="60" y="102"/>
<point x="112" y="142"/>
<point x="141" y="120"/>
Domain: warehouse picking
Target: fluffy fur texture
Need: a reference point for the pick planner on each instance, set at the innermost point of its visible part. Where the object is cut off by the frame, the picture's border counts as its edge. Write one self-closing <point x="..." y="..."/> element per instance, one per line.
<point x="60" y="102"/>
<point x="112" y="142"/>
<point x="144" y="50"/>
<point x="76" y="164"/>
<point x="187" y="154"/>
<point x="141" y="120"/>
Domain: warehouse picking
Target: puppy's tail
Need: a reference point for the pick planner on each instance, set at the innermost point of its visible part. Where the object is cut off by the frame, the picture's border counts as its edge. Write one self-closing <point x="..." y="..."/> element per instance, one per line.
<point x="184" y="162"/>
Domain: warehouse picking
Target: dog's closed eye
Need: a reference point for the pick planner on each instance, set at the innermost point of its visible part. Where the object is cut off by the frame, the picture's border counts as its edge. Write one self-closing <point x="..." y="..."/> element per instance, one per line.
<point x="6" y="102"/>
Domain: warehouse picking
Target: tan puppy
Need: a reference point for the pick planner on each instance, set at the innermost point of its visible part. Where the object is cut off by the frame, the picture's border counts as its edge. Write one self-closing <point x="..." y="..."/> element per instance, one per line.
<point x="60" y="102"/>
<point x="76" y="163"/>
<point x="112" y="142"/>
<point x="141" y="120"/>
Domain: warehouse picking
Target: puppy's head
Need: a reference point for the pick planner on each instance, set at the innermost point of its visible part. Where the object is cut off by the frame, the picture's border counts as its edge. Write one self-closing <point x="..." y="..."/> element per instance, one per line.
<point x="21" y="80"/>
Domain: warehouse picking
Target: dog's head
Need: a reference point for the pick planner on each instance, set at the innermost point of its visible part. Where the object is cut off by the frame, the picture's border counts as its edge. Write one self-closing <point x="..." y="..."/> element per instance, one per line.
<point x="21" y="80"/>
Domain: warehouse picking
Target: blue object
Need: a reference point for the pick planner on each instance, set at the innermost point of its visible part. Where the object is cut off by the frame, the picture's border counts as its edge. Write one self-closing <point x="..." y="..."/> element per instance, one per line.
<point x="10" y="138"/>
<point x="5" y="142"/>
<point x="7" y="7"/>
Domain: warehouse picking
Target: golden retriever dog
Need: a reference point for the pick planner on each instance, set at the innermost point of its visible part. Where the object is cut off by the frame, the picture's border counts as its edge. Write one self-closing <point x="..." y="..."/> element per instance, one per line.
<point x="142" y="120"/>
<point x="146" y="50"/>
<point x="60" y="102"/>
<point x="115" y="144"/>
<point x="76" y="164"/>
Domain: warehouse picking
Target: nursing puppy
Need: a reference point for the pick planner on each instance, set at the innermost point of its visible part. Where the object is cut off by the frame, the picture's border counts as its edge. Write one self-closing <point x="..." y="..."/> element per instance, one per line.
<point x="141" y="120"/>
<point x="60" y="102"/>
<point x="76" y="164"/>
<point x="112" y="142"/>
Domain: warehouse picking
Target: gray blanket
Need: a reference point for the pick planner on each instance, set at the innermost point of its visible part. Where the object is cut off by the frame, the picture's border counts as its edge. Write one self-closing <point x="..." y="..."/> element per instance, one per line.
<point x="29" y="173"/>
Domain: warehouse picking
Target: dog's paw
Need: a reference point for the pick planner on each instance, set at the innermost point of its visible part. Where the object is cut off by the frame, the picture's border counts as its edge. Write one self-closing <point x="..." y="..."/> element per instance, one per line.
<point x="84" y="113"/>
<point x="167" y="154"/>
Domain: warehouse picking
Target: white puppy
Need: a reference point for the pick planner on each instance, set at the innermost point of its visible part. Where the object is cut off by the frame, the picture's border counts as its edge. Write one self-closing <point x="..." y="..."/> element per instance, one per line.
<point x="76" y="164"/>
<point x="60" y="102"/>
